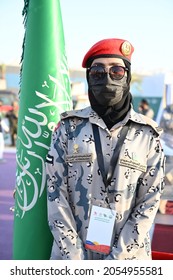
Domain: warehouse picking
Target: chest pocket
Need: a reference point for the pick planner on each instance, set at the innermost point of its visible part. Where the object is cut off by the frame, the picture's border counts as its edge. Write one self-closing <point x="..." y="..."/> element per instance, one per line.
<point x="77" y="150"/>
<point x="73" y="129"/>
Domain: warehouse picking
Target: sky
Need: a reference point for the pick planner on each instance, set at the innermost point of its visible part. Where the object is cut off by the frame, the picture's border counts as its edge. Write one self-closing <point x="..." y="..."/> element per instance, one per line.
<point x="147" y="24"/>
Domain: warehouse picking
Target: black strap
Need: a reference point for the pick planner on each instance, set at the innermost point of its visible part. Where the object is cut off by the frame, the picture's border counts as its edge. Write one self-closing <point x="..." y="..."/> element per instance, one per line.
<point x="107" y="178"/>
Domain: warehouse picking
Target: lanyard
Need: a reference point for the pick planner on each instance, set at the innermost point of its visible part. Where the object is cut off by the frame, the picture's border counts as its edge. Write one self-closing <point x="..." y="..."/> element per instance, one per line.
<point x="107" y="177"/>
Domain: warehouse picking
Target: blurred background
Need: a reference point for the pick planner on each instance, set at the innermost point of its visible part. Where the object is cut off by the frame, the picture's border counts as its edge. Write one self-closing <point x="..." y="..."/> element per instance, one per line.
<point x="148" y="26"/>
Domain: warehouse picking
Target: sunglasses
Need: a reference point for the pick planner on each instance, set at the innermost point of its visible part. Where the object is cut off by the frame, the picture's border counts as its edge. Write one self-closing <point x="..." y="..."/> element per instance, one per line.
<point x="98" y="72"/>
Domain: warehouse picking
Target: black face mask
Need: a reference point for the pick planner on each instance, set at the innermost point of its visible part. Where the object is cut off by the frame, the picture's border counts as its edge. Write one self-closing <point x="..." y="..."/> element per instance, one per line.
<point x="111" y="114"/>
<point x="106" y="91"/>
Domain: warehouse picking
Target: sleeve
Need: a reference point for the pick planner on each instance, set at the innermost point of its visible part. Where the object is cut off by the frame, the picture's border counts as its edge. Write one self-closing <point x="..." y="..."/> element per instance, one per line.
<point x="149" y="189"/>
<point x="67" y="245"/>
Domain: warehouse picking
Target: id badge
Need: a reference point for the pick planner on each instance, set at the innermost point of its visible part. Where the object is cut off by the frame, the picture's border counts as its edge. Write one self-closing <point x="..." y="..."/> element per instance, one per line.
<point x="100" y="230"/>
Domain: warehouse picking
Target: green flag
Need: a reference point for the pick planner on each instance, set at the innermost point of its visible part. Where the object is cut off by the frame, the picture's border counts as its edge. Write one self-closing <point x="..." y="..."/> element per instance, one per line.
<point x="44" y="94"/>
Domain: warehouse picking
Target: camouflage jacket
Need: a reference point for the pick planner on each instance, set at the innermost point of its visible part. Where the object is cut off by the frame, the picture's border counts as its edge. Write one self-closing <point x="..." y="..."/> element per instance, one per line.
<point x="73" y="177"/>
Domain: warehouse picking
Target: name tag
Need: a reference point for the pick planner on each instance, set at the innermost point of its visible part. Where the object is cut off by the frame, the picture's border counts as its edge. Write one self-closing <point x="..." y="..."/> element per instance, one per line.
<point x="76" y="157"/>
<point x="133" y="164"/>
<point x="100" y="230"/>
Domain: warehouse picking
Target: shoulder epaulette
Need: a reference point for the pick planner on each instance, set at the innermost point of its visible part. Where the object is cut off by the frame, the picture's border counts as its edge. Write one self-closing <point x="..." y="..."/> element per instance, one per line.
<point x="153" y="124"/>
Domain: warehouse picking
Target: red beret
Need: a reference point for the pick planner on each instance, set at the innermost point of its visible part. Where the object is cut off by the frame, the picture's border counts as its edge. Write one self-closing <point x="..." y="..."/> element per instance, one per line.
<point x="108" y="48"/>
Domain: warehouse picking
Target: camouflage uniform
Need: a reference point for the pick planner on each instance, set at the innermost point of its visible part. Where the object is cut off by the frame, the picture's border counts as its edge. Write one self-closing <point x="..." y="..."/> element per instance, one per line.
<point x="73" y="176"/>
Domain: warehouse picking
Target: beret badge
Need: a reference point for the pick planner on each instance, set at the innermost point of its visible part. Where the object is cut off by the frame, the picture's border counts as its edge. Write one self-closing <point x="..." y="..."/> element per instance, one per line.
<point x="126" y="48"/>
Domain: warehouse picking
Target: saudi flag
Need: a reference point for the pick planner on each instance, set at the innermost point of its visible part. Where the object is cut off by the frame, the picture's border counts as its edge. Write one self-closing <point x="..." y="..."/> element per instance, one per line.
<point x="44" y="94"/>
